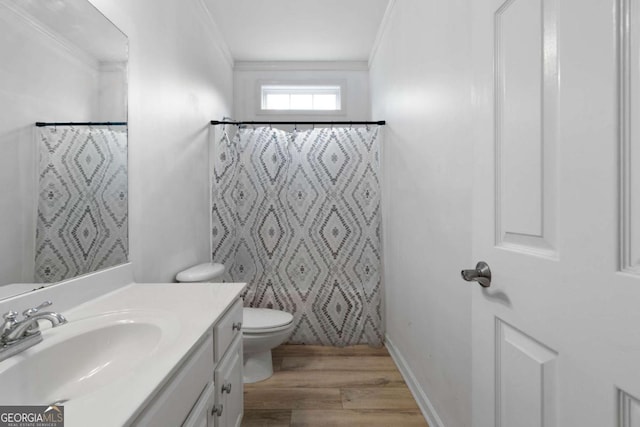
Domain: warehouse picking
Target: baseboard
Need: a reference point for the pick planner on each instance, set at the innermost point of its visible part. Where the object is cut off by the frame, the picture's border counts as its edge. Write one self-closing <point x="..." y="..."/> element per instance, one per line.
<point x="419" y="394"/>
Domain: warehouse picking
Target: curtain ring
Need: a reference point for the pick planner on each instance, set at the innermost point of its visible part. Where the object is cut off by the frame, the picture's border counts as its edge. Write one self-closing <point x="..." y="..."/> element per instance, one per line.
<point x="350" y="125"/>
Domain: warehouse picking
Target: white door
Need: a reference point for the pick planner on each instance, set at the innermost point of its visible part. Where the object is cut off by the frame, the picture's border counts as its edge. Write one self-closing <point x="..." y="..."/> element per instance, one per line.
<point x="556" y="337"/>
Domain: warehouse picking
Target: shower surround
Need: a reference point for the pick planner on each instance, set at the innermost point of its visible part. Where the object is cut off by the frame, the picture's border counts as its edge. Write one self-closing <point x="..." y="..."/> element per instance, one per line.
<point x="296" y="215"/>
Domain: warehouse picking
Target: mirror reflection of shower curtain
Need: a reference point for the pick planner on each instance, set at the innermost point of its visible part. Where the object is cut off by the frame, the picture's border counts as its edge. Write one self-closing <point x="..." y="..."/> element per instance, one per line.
<point x="297" y="217"/>
<point x="82" y="201"/>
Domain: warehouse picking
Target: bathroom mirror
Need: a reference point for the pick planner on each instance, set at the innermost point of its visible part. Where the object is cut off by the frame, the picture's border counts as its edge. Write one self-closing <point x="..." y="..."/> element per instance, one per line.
<point x="63" y="188"/>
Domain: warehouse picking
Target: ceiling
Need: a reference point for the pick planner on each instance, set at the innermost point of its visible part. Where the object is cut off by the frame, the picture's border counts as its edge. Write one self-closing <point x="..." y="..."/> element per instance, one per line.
<point x="298" y="30"/>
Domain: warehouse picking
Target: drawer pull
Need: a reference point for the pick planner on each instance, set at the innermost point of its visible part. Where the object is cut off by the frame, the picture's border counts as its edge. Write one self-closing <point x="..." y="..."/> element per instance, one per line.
<point x="226" y="388"/>
<point x="217" y="410"/>
<point x="237" y="326"/>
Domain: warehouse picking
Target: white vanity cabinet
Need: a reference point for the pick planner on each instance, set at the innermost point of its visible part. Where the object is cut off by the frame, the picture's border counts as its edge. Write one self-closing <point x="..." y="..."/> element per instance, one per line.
<point x="229" y="398"/>
<point x="206" y="390"/>
<point x="229" y="392"/>
<point x="201" y="415"/>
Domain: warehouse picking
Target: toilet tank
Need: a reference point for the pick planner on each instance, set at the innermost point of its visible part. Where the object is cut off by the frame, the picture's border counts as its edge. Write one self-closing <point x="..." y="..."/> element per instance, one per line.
<point x="205" y="272"/>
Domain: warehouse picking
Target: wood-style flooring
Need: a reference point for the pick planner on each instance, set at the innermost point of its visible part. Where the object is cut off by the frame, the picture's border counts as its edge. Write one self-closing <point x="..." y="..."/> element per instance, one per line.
<point x="330" y="386"/>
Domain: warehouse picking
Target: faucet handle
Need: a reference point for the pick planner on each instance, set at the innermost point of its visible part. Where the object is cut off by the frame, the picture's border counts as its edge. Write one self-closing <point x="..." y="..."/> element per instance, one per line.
<point x="10" y="315"/>
<point x="31" y="311"/>
<point x="9" y="321"/>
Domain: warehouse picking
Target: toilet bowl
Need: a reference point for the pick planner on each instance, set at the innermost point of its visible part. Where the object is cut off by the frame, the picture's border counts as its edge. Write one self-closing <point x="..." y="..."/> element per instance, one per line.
<point x="262" y="328"/>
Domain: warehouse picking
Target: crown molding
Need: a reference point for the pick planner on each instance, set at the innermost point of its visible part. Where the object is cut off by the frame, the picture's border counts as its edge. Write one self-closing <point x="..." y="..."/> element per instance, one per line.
<point x="217" y="34"/>
<point x="381" y="31"/>
<point x="301" y="66"/>
<point x="67" y="45"/>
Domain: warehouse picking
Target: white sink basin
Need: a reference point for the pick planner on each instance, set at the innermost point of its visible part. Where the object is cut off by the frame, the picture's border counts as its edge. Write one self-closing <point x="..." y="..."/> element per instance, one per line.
<point x="82" y="356"/>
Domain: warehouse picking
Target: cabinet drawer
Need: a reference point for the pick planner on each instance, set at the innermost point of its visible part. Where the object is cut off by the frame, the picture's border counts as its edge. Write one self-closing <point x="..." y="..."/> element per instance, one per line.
<point x="171" y="406"/>
<point x="226" y="329"/>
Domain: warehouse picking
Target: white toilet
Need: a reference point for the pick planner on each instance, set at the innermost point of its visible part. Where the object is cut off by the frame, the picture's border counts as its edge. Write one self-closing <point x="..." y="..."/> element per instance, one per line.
<point x="262" y="328"/>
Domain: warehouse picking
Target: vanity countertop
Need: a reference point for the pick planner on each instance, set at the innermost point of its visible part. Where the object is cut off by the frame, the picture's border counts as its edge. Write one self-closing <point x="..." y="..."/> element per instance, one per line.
<point x="188" y="311"/>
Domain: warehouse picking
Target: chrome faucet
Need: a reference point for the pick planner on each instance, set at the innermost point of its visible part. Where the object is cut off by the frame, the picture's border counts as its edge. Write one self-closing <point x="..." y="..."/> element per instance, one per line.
<point x="17" y="336"/>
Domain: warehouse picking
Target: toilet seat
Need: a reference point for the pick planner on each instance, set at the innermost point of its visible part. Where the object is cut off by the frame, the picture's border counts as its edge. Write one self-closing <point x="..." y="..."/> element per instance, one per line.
<point x="264" y="320"/>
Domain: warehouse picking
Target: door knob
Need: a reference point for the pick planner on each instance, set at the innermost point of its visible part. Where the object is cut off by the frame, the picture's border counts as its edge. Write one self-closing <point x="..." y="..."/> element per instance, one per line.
<point x="482" y="274"/>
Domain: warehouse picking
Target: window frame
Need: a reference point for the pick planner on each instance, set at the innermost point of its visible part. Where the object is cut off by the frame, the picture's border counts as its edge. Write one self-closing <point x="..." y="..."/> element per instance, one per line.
<point x="341" y="85"/>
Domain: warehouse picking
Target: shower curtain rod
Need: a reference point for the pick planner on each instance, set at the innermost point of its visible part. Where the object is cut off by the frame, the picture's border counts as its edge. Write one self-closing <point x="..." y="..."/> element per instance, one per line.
<point x="343" y="123"/>
<point x="43" y="124"/>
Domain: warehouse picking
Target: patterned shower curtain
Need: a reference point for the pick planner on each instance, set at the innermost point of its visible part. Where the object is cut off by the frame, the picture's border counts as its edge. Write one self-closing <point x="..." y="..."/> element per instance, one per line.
<point x="297" y="217"/>
<point x="82" y="201"/>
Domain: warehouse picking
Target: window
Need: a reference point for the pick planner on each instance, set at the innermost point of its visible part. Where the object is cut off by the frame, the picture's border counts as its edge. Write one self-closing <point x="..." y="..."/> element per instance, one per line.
<point x="304" y="98"/>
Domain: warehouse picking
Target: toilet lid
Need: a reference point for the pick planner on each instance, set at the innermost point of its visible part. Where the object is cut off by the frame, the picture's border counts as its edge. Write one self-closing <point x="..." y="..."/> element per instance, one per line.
<point x="201" y="272"/>
<point x="264" y="318"/>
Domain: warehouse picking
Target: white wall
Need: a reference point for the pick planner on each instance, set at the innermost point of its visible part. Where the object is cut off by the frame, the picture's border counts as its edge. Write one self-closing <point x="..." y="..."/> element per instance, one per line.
<point x="180" y="77"/>
<point x="112" y="92"/>
<point x="421" y="84"/>
<point x="248" y="75"/>
<point x="65" y="92"/>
